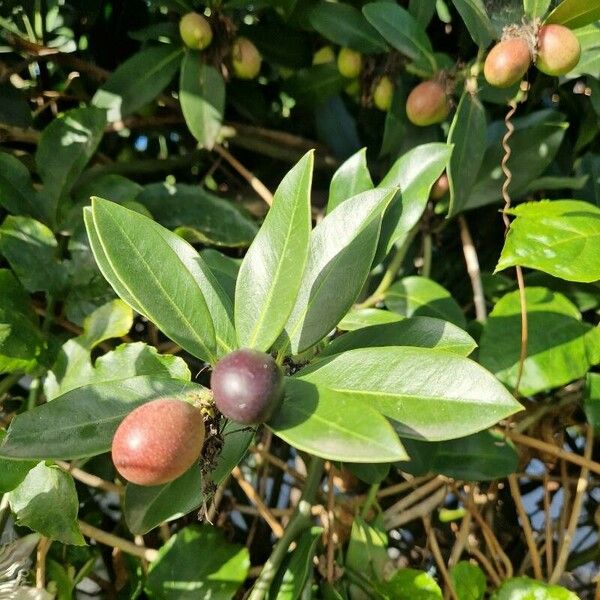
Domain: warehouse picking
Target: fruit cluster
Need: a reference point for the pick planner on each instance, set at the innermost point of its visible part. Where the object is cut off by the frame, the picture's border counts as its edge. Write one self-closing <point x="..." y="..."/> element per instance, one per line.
<point x="160" y="440"/>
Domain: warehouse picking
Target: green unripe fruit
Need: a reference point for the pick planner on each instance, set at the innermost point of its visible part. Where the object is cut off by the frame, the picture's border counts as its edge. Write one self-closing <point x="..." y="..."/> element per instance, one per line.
<point x="245" y="59"/>
<point x="353" y="88"/>
<point x="383" y="94"/>
<point x="195" y="31"/>
<point x="323" y="56"/>
<point x="158" y="441"/>
<point x="558" y="50"/>
<point x="349" y="62"/>
<point x="427" y="104"/>
<point x="507" y="62"/>
<point x="440" y="187"/>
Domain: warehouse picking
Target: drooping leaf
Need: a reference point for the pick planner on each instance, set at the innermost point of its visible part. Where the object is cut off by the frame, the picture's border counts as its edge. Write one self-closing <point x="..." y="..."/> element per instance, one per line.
<point x="17" y="194"/>
<point x="575" y="13"/>
<point x="270" y="275"/>
<point x="138" y="80"/>
<point x="559" y="237"/>
<point x="202" y="97"/>
<point x="476" y="19"/>
<point x="350" y="179"/>
<point x="328" y="424"/>
<point x="413" y="387"/>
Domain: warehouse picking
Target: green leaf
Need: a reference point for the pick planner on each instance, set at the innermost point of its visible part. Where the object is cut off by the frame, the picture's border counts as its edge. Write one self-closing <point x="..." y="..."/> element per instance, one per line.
<point x="224" y="268"/>
<point x="414" y="173"/>
<point x="420" y="296"/>
<point x="137" y="81"/>
<point x="560" y="348"/>
<point x="12" y="472"/>
<point x="198" y="562"/>
<point x="21" y="341"/>
<point x="350" y="179"/>
<point x="31" y="249"/>
<point x="476" y="19"/>
<point x="46" y="501"/>
<point x="367" y="549"/>
<point x="356" y="318"/>
<point x="82" y="422"/>
<point x="202" y="97"/>
<point x="147" y="507"/>
<point x="422" y="11"/>
<point x="410" y="584"/>
<point x="17" y="194"/>
<point x="400" y="29"/>
<point x="575" y="13"/>
<point x="341" y="251"/>
<point x="535" y="8"/>
<point x="469" y="581"/>
<point x="559" y="237"/>
<point x="413" y="387"/>
<point x="467" y="134"/>
<point x="157" y="273"/>
<point x="535" y="143"/>
<point x="64" y="149"/>
<point x="424" y="332"/>
<point x="197" y="215"/>
<point x="523" y="588"/>
<point x="314" y="85"/>
<point x="271" y="272"/>
<point x="334" y="426"/>
<point x="591" y="400"/>
<point x="344" y="25"/>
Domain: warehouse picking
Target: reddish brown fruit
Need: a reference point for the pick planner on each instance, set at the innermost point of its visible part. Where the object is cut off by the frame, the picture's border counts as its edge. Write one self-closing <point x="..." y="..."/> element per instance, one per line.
<point x="507" y="62"/>
<point x="427" y="104"/>
<point x="440" y="187"/>
<point x="158" y="441"/>
<point x="558" y="50"/>
<point x="245" y="59"/>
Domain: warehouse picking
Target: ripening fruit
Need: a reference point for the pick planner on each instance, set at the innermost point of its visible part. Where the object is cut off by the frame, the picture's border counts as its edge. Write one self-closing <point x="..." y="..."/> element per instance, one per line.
<point x="323" y="56"/>
<point x="558" y="50"/>
<point x="507" y="62"/>
<point x="427" y="104"/>
<point x="349" y="62"/>
<point x="195" y="31"/>
<point x="158" y="441"/>
<point x="247" y="386"/>
<point x="440" y="187"/>
<point x="383" y="94"/>
<point x="245" y="58"/>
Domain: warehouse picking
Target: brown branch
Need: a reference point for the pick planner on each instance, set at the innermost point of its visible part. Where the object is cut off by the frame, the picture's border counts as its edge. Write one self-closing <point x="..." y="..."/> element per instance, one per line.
<point x="40" y="562"/>
<point x="435" y="550"/>
<point x="108" y="539"/>
<point x="89" y="479"/>
<point x="473" y="270"/>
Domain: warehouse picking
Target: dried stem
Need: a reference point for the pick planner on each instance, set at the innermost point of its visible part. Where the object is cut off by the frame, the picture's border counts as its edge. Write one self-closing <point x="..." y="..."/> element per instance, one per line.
<point x="473" y="270"/>
<point x="437" y="555"/>
<point x="114" y="541"/>
<point x="89" y="479"/>
<point x="40" y="562"/>
<point x="330" y="527"/>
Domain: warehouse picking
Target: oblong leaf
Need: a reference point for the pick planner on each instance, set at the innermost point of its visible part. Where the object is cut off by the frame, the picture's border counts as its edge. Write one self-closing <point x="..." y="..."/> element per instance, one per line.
<point x="575" y="13"/>
<point x="351" y="178"/>
<point x="270" y="274"/>
<point x="415" y="387"/>
<point x="476" y="19"/>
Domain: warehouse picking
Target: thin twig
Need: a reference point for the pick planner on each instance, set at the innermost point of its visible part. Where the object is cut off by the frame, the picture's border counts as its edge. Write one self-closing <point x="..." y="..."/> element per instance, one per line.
<point x="398" y="488"/>
<point x="277" y="462"/>
<point x="486" y="564"/>
<point x="114" y="541"/>
<point x="89" y="479"/>
<point x="330" y="526"/>
<point x="415" y="496"/>
<point x="462" y="538"/>
<point x="40" y="562"/>
<point x="437" y="555"/>
<point x="417" y="511"/>
<point x="549" y="533"/>
<point x="472" y="262"/>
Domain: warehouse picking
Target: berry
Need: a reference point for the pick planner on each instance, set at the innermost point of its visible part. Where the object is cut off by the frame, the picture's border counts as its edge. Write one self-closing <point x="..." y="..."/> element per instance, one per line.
<point x="440" y="187"/>
<point x="158" y="441"/>
<point x="383" y="94"/>
<point x="558" y="50"/>
<point x="195" y="31"/>
<point x="427" y="104"/>
<point x="323" y="56"/>
<point x="247" y="386"/>
<point x="245" y="58"/>
<point x="507" y="62"/>
<point x="349" y="63"/>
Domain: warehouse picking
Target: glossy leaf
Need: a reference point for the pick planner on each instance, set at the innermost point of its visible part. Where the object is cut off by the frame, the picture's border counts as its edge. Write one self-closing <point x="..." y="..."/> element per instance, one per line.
<point x="202" y="97"/>
<point x="367" y="549"/>
<point x="399" y="28"/>
<point x="560" y="348"/>
<point x="422" y="11"/>
<point x="350" y="179"/>
<point x="344" y="25"/>
<point x="198" y="215"/>
<point x="156" y="273"/>
<point x="425" y="332"/>
<point x="523" y="588"/>
<point x="420" y="296"/>
<point x="559" y="237"/>
<point x="82" y="422"/>
<point x="12" y="472"/>
<point x="270" y="275"/>
<point x="414" y="173"/>
<point x="475" y="16"/>
<point x="470" y="582"/>
<point x="575" y="13"/>
<point x="341" y="251"/>
<point x="138" y="81"/>
<point x="591" y="402"/>
<point x="467" y="134"/>
<point x="46" y="501"/>
<point x="408" y="584"/>
<point x="198" y="562"/>
<point x="413" y="387"/>
<point x="356" y="318"/>
<point x="334" y="426"/>
<point x="17" y="194"/>
<point x="536" y="8"/>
